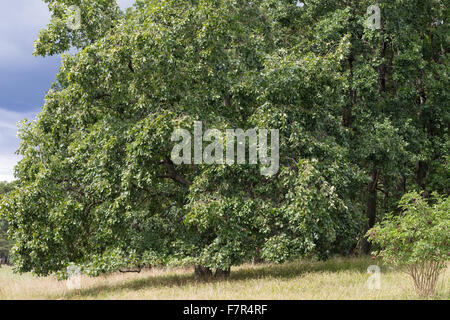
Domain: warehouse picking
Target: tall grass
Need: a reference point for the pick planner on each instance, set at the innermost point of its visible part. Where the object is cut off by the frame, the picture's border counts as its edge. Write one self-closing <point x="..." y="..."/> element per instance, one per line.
<point x="337" y="278"/>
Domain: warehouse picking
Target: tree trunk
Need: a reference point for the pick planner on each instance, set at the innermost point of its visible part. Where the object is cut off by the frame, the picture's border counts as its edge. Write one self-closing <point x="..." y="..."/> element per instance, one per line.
<point x="222" y="273"/>
<point x="371" y="212"/>
<point x="347" y="117"/>
<point x="422" y="168"/>
<point x="382" y="66"/>
<point x="257" y="257"/>
<point x="202" y="273"/>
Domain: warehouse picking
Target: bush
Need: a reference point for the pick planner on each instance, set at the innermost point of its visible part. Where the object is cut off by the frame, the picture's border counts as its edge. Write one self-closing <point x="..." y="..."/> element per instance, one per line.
<point x="5" y="243"/>
<point x="417" y="239"/>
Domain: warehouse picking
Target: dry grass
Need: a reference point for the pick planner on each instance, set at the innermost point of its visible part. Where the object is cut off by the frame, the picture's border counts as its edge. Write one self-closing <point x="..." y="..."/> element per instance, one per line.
<point x="337" y="278"/>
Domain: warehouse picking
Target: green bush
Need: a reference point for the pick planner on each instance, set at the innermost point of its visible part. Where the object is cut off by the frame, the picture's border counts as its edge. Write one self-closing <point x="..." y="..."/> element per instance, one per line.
<point x="417" y="239"/>
<point x="5" y="243"/>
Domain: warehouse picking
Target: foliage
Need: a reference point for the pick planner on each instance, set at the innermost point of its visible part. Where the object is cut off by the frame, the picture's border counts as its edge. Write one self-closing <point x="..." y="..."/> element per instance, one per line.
<point x="96" y="18"/>
<point x="418" y="238"/>
<point x="360" y="112"/>
<point x="5" y="243"/>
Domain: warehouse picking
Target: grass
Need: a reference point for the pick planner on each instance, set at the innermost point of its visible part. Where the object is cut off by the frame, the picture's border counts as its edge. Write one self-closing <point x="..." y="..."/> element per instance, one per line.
<point x="337" y="278"/>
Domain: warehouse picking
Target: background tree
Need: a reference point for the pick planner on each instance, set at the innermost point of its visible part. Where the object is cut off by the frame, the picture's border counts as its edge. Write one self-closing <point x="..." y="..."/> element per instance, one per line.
<point x="5" y="243"/>
<point x="381" y="96"/>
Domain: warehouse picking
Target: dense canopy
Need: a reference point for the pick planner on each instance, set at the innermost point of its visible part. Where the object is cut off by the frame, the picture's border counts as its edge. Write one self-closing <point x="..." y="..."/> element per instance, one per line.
<point x="362" y="114"/>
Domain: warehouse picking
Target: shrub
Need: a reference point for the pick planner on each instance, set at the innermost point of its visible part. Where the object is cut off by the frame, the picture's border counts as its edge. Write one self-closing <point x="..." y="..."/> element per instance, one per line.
<point x="417" y="239"/>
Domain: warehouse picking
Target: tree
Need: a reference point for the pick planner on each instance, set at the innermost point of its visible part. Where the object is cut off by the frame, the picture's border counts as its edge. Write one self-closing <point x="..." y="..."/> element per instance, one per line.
<point x="97" y="185"/>
<point x="382" y="97"/>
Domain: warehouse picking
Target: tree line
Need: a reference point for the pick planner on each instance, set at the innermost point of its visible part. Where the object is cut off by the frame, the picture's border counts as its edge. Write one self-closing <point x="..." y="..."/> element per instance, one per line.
<point x="362" y="113"/>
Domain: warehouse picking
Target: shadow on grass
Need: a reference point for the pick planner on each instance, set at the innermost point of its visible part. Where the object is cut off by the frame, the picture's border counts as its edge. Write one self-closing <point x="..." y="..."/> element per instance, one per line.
<point x="242" y="273"/>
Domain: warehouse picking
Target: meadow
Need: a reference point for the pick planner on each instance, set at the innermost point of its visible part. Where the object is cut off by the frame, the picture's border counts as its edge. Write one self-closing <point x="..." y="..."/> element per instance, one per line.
<point x="337" y="278"/>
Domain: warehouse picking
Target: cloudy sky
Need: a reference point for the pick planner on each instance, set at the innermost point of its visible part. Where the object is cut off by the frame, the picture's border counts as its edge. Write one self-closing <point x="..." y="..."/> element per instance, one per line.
<point x="24" y="79"/>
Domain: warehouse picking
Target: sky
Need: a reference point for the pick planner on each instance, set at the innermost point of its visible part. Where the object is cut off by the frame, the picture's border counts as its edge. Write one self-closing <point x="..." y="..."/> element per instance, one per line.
<point x="24" y="79"/>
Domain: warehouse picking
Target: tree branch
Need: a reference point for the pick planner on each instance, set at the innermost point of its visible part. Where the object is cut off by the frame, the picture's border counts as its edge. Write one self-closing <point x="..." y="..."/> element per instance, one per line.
<point x="172" y="173"/>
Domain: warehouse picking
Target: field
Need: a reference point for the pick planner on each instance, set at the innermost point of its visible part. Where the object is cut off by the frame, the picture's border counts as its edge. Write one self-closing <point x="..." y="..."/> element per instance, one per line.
<point x="336" y="278"/>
